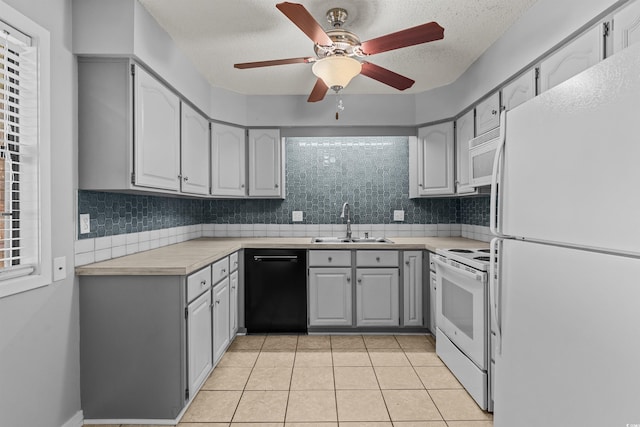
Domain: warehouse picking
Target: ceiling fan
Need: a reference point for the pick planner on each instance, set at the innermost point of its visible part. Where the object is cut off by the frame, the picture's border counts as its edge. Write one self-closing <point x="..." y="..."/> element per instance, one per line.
<point x="339" y="52"/>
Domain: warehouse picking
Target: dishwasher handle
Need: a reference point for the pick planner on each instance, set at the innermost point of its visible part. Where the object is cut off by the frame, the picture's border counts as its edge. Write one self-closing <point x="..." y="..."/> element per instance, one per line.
<point x="275" y="258"/>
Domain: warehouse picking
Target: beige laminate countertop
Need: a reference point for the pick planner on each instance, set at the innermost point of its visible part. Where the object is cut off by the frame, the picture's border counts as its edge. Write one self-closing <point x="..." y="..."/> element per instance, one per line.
<point x="184" y="258"/>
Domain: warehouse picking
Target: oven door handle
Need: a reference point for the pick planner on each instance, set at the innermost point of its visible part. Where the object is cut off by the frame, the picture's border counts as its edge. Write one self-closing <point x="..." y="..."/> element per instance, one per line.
<point x="468" y="274"/>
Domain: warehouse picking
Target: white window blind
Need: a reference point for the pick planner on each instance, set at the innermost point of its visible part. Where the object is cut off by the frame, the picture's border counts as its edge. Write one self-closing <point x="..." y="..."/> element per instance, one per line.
<point x="18" y="154"/>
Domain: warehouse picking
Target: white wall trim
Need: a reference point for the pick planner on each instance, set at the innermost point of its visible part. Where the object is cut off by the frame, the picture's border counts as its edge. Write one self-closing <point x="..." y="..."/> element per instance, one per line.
<point x="76" y="421"/>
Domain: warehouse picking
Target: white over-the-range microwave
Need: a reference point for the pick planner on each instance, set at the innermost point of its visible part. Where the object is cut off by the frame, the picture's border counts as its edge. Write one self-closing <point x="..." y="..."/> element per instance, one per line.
<point x="482" y="152"/>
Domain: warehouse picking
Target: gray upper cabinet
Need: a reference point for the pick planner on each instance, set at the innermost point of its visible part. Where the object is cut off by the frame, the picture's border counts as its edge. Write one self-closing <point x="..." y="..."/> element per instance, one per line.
<point x="228" y="161"/>
<point x="156" y="133"/>
<point x="488" y="114"/>
<point x="195" y="152"/>
<point x="575" y="57"/>
<point x="626" y="26"/>
<point x="129" y="132"/>
<point x="265" y="164"/>
<point x="519" y="90"/>
<point x="464" y="132"/>
<point x="431" y="161"/>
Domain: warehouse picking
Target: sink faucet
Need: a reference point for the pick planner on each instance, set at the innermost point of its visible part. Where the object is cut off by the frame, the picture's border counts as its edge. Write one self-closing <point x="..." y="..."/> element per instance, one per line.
<point x="347" y="209"/>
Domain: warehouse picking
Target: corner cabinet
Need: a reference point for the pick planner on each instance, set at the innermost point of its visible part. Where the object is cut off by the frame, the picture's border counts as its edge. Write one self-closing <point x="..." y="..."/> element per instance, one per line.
<point x="431" y="161"/>
<point x="195" y="144"/>
<point x="265" y="164"/>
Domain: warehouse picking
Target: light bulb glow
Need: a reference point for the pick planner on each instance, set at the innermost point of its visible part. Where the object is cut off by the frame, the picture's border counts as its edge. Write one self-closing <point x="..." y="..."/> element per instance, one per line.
<point x="336" y="71"/>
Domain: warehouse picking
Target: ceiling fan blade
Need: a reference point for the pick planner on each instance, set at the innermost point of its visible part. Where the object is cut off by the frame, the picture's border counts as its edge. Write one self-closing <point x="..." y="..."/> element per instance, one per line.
<point x="319" y="91"/>
<point x="411" y="36"/>
<point x="274" y="62"/>
<point x="303" y="20"/>
<point x="385" y="76"/>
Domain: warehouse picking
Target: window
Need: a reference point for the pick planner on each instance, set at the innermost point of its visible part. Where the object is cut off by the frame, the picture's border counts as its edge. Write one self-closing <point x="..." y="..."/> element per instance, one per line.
<point x="25" y="254"/>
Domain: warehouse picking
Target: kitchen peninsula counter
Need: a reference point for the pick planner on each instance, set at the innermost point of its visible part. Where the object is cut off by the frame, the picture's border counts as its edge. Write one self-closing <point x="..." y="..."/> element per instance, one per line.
<point x="187" y="257"/>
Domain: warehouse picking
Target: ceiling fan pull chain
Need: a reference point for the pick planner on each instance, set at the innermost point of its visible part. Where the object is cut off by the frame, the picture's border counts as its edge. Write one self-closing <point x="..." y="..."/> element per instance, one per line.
<point x="339" y="106"/>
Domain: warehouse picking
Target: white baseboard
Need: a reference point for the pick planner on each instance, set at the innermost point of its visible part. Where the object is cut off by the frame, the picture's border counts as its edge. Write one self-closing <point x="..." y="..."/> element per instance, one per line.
<point x="76" y="421"/>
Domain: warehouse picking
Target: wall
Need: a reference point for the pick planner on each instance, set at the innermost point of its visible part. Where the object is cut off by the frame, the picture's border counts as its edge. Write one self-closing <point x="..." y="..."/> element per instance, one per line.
<point x="39" y="336"/>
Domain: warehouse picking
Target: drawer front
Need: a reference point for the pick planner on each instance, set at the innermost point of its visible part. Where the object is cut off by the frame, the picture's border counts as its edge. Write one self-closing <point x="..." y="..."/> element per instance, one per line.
<point x="233" y="262"/>
<point x="330" y="258"/>
<point x="220" y="270"/>
<point x="377" y="258"/>
<point x="198" y="282"/>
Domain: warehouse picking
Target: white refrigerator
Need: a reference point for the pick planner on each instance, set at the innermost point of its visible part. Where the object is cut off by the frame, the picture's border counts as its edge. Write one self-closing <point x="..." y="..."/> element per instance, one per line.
<point x="566" y="301"/>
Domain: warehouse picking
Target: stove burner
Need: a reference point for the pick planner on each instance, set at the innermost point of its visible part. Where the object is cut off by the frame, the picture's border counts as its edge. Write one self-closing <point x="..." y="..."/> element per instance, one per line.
<point x="486" y="251"/>
<point x="482" y="258"/>
<point x="461" y="251"/>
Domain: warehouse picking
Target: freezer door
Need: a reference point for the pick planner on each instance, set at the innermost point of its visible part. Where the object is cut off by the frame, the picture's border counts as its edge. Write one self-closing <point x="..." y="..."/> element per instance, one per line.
<point x="571" y="170"/>
<point x="570" y="344"/>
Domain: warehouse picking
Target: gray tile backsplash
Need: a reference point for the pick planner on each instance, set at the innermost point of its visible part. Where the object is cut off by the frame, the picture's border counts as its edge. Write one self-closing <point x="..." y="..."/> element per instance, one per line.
<point x="371" y="173"/>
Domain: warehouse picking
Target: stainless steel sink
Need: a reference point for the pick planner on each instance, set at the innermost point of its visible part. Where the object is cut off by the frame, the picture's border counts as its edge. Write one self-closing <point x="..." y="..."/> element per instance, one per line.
<point x="336" y="240"/>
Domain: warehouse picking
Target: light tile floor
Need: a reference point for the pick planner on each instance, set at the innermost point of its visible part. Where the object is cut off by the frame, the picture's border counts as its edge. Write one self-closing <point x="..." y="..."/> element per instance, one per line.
<point x="331" y="381"/>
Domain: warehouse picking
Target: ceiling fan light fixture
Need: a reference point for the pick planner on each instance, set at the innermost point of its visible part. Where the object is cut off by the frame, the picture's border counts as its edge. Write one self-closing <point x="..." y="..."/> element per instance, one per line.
<point x="337" y="71"/>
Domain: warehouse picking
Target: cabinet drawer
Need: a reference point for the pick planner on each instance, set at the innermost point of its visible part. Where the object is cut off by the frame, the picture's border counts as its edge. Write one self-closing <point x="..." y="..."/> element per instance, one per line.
<point x="233" y="262"/>
<point x="198" y="282"/>
<point x="220" y="270"/>
<point x="330" y="258"/>
<point x="377" y="258"/>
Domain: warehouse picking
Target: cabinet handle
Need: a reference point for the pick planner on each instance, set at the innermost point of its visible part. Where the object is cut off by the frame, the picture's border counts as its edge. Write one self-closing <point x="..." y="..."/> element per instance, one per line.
<point x="276" y="186"/>
<point x="223" y="271"/>
<point x="186" y="178"/>
<point x="377" y="259"/>
<point x="217" y="301"/>
<point x="360" y="280"/>
<point x="348" y="279"/>
<point x="407" y="262"/>
<point x="420" y="185"/>
<point x="329" y="259"/>
<point x="494" y="112"/>
<point x="203" y="283"/>
<point x="233" y="287"/>
<point x="242" y="186"/>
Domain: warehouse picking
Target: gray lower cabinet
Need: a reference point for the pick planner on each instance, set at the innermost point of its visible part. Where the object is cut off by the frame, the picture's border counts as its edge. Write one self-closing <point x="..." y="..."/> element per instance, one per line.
<point x="330" y="296"/>
<point x="412" y="288"/>
<point x="377" y="297"/>
<point x="133" y="347"/>
<point x="220" y="318"/>
<point x="199" y="339"/>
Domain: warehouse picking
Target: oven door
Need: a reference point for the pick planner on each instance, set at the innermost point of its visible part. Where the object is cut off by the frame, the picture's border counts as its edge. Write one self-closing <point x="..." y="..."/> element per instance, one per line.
<point x="461" y="309"/>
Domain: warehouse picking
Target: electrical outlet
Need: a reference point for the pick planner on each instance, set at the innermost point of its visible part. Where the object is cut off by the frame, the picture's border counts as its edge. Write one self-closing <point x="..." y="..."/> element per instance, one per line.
<point x="296" y="216"/>
<point x="398" y="215"/>
<point x="85" y="223"/>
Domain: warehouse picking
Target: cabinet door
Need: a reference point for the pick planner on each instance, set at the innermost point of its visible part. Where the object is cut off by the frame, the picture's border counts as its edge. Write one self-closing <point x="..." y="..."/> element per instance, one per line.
<point x="435" y="160"/>
<point x="488" y="114"/>
<point x="520" y="90"/>
<point x="156" y="134"/>
<point x="228" y="161"/>
<point x="412" y="288"/>
<point x="433" y="297"/>
<point x="233" y="304"/>
<point x="220" y="319"/>
<point x="377" y="297"/>
<point x="577" y="56"/>
<point x="464" y="132"/>
<point x="626" y="26"/>
<point x="199" y="341"/>
<point x="195" y="152"/>
<point x="330" y="297"/>
<point x="265" y="163"/>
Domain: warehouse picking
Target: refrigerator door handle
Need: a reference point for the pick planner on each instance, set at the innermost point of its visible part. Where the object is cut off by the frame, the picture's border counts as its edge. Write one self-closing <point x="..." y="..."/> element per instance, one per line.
<point x="496" y="179"/>
<point x="494" y="286"/>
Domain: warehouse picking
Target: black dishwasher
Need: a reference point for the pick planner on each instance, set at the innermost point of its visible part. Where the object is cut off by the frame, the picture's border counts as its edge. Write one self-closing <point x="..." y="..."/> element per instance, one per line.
<point x="275" y="290"/>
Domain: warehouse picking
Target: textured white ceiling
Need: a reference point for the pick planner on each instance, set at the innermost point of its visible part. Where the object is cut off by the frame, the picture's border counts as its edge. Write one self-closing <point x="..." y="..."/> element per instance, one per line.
<point x="215" y="34"/>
